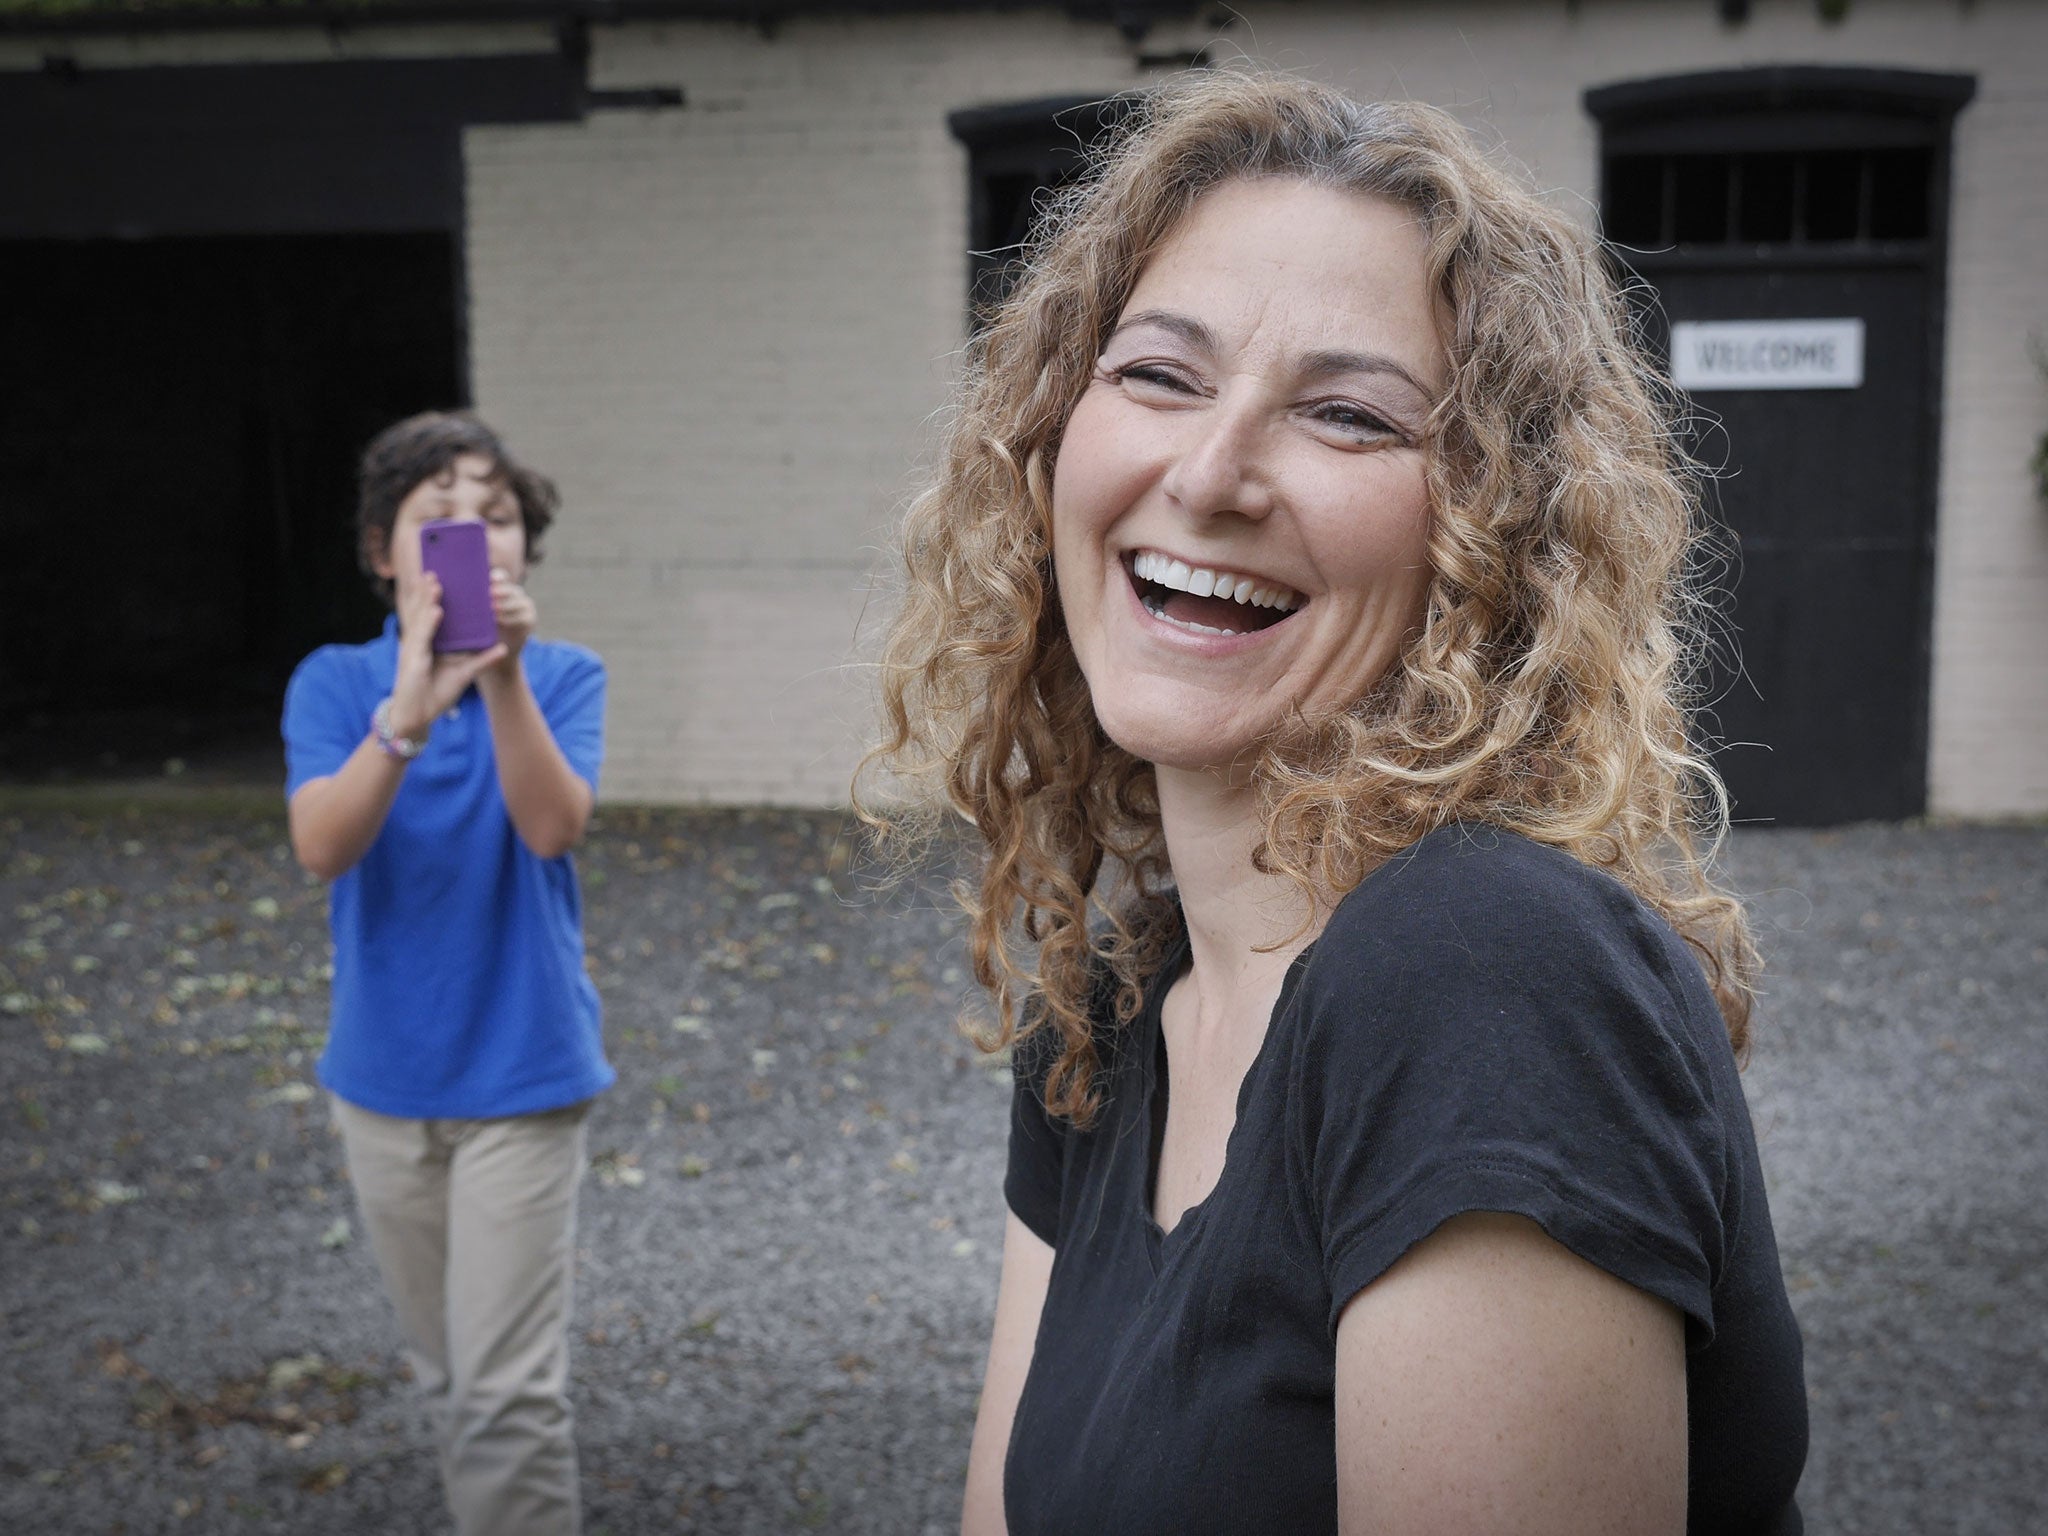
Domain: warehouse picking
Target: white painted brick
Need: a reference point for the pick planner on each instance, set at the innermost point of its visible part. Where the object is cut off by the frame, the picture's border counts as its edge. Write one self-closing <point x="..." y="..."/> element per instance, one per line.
<point x="725" y="328"/>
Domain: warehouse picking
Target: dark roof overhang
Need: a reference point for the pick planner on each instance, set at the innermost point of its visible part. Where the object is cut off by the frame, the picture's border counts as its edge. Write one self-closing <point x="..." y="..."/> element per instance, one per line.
<point x="76" y="17"/>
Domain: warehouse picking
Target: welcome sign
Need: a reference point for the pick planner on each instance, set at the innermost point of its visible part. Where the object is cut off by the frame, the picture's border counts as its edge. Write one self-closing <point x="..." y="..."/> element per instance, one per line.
<point x="1767" y="354"/>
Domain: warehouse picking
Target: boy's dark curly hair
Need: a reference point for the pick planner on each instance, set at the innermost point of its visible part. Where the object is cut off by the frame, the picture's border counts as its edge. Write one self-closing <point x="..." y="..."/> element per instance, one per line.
<point x="415" y="450"/>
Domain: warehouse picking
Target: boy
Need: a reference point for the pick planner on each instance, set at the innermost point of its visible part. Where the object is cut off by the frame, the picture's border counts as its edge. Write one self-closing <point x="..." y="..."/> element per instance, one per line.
<point x="441" y="793"/>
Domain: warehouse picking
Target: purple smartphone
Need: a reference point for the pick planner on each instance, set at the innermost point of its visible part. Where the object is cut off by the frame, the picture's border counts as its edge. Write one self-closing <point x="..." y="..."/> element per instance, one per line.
<point x="457" y="553"/>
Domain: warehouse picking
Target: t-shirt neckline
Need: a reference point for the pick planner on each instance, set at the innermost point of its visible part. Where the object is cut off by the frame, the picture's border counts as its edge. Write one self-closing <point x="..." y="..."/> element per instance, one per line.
<point x="1151" y="1054"/>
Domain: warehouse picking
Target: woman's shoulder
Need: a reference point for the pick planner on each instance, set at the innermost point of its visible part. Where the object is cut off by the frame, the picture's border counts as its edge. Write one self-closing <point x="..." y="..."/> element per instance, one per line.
<point x="1466" y="864"/>
<point x="1491" y="1024"/>
<point x="1494" y="895"/>
<point x="1476" y="928"/>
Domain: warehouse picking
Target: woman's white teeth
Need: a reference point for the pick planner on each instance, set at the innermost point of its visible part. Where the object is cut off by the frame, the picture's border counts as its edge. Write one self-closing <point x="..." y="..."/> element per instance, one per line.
<point x="1182" y="577"/>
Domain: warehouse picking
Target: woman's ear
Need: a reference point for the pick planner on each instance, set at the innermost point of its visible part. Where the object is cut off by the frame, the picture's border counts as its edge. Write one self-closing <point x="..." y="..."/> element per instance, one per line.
<point x="377" y="553"/>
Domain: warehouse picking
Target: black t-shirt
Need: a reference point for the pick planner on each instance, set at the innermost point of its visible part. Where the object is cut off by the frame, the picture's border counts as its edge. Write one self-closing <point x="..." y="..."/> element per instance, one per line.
<point x="1485" y="1025"/>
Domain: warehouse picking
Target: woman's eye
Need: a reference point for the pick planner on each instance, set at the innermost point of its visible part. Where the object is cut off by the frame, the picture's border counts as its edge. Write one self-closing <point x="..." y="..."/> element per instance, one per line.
<point x="1152" y="376"/>
<point x="1354" y="420"/>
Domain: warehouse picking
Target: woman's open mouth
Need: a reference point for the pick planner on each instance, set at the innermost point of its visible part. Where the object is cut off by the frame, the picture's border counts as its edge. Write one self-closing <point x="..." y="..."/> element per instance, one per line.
<point x="1208" y="601"/>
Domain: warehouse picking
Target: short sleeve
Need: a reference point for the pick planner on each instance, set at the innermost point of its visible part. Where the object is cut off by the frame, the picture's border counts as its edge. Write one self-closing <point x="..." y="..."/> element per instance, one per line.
<point x="1495" y="1027"/>
<point x="1033" y="1181"/>
<point x="574" y="710"/>
<point x="323" y="724"/>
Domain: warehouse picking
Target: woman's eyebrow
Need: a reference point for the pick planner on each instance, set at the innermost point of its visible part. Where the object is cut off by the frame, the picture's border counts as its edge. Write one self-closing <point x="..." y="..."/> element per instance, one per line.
<point x="1328" y="364"/>
<point x="1186" y="327"/>
<point x="1317" y="365"/>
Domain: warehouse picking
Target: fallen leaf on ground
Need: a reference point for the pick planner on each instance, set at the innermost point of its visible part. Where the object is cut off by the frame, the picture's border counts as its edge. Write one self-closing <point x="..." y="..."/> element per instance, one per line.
<point x="615" y="1169"/>
<point x="325" y="1479"/>
<point x="114" y="1361"/>
<point x="291" y="1370"/>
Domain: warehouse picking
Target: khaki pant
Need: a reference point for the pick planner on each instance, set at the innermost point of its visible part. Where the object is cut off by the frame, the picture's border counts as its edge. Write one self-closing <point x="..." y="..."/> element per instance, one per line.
<point x="473" y="1224"/>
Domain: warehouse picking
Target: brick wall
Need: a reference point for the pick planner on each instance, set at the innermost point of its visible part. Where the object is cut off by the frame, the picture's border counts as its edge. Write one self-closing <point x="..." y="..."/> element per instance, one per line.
<point x="1990" y="729"/>
<point x="726" y="328"/>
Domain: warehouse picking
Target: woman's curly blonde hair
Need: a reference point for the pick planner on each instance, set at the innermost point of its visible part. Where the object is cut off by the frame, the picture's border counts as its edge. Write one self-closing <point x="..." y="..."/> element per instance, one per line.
<point x="1545" y="691"/>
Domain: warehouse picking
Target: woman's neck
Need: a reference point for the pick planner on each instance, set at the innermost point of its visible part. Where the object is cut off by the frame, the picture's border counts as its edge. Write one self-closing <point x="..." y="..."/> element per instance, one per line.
<point x="1233" y="911"/>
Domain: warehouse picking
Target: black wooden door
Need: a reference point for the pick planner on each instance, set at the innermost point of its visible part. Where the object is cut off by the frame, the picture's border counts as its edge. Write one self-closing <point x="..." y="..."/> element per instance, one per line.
<point x="1781" y="197"/>
<point x="1818" y="688"/>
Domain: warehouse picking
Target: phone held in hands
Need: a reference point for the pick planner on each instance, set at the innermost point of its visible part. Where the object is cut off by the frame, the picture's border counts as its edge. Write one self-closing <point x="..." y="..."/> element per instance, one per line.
<point x="458" y="553"/>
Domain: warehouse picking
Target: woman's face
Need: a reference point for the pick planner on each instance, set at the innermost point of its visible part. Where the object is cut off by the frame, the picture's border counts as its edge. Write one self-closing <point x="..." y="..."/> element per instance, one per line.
<point x="1239" y="508"/>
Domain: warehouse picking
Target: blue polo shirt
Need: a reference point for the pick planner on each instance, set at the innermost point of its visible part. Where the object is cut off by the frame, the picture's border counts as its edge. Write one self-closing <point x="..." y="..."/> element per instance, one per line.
<point x="459" y="987"/>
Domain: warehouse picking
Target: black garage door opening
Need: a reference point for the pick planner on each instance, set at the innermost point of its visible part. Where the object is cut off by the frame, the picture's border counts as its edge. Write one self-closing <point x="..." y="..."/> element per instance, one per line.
<point x="178" y="424"/>
<point x="221" y="281"/>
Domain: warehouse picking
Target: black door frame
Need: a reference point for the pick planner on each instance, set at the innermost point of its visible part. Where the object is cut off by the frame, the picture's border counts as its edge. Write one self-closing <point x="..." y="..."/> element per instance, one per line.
<point x="1815" y="107"/>
<point x="345" y="146"/>
<point x="1044" y="141"/>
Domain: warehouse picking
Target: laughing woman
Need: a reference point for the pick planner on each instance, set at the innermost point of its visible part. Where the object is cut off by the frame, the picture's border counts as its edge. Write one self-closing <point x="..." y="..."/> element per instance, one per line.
<point x="1298" y="617"/>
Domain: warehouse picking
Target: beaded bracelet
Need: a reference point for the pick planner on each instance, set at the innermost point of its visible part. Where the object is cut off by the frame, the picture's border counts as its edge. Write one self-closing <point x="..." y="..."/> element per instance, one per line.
<point x="401" y="749"/>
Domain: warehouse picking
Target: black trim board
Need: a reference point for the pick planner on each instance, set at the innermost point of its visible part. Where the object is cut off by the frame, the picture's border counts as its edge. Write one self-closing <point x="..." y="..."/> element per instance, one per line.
<point x="1132" y="17"/>
<point x="1780" y="106"/>
<point x="358" y="146"/>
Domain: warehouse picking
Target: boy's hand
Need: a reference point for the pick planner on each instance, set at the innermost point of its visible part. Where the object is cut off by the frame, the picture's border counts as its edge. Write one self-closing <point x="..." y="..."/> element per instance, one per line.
<point x="516" y="618"/>
<point x="429" y="683"/>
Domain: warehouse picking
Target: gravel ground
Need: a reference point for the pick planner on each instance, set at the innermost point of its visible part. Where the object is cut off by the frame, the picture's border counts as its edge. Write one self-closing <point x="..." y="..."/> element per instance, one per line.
<point x="790" y="1232"/>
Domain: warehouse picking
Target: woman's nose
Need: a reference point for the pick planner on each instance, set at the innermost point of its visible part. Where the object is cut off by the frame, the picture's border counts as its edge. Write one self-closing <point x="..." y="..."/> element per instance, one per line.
<point x="1221" y="466"/>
